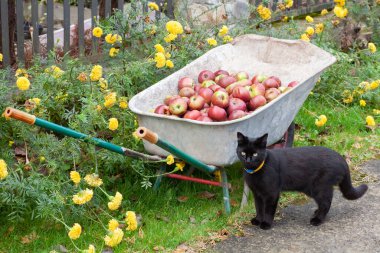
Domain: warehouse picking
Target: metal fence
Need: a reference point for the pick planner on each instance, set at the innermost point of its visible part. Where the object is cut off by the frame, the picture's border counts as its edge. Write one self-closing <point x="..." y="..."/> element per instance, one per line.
<point x="12" y="36"/>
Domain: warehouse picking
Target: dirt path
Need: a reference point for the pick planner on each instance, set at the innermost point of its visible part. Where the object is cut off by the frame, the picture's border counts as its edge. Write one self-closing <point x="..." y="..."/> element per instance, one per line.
<point x="351" y="226"/>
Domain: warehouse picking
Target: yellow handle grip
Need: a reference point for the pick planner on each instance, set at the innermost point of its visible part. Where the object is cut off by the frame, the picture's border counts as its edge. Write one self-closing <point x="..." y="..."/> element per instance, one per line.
<point x="147" y="134"/>
<point x="19" y="115"/>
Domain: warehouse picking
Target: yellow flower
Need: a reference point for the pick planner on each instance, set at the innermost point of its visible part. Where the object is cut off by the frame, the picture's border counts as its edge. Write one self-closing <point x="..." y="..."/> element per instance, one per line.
<point x="1" y="57"/>
<point x="160" y="60"/>
<point x="91" y="249"/>
<point x="110" y="100"/>
<point x="93" y="180"/>
<point x="324" y="12"/>
<point x="10" y="143"/>
<point x="113" y="124"/>
<point x="227" y="39"/>
<point x="112" y="38"/>
<point x="340" y="12"/>
<point x="96" y="73"/>
<point x="288" y="3"/>
<point x="376" y="111"/>
<point x="103" y="83"/>
<point x="348" y="99"/>
<point x="99" y="108"/>
<point x="335" y="22"/>
<point x="372" y="47"/>
<point x="169" y="64"/>
<point x="264" y="12"/>
<point x="310" y="31"/>
<point x="55" y="71"/>
<point x="223" y="31"/>
<point x="115" y="202"/>
<point x="153" y="6"/>
<point x="159" y="48"/>
<point x="212" y="42"/>
<point x="321" y="121"/>
<point x="374" y="84"/>
<point x="75" y="177"/>
<point x="97" y="32"/>
<point x="131" y="221"/>
<point x="36" y="101"/>
<point x="23" y="83"/>
<point x="3" y="169"/>
<point x="180" y="165"/>
<point x="168" y="55"/>
<point x="309" y="19"/>
<point x="123" y="104"/>
<point x="362" y="103"/>
<point x="83" y="197"/>
<point x="305" y="37"/>
<point x="340" y="3"/>
<point x="174" y="27"/>
<point x="113" y="224"/>
<point x="285" y="19"/>
<point x="370" y="121"/>
<point x="21" y="72"/>
<point x="170" y="37"/>
<point x="319" y="28"/>
<point x="114" y="238"/>
<point x="113" y="52"/>
<point x="82" y="77"/>
<point x="75" y="231"/>
<point x="169" y="159"/>
<point x="42" y="159"/>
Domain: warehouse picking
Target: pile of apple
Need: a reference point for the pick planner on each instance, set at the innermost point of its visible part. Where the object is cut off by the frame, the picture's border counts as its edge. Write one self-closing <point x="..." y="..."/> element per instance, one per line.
<point x="220" y="96"/>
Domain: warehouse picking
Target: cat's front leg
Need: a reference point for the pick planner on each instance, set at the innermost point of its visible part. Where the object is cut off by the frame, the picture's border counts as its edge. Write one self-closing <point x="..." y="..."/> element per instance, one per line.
<point x="259" y="206"/>
<point x="269" y="212"/>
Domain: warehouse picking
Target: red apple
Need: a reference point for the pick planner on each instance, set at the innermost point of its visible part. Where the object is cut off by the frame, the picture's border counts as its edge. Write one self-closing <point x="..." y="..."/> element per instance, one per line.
<point x="220" y="98"/>
<point x="206" y="93"/>
<point x="284" y="89"/>
<point x="196" y="102"/>
<point x="197" y="87"/>
<point x="204" y="118"/>
<point x="221" y="72"/>
<point x="162" y="109"/>
<point x="256" y="102"/>
<point x="277" y="79"/>
<point x="258" y="78"/>
<point x="205" y="75"/>
<point x="242" y="93"/>
<point x="186" y="92"/>
<point x="237" y="114"/>
<point x="292" y="84"/>
<point x="194" y="114"/>
<point x="227" y="80"/>
<point x="271" y="94"/>
<point x="208" y="83"/>
<point x="236" y="104"/>
<point x="204" y="111"/>
<point x="257" y="89"/>
<point x="187" y="100"/>
<point x="217" y="113"/>
<point x="185" y="82"/>
<point x="271" y="83"/>
<point x="241" y="75"/>
<point x="232" y="86"/>
<point x="168" y="99"/>
<point x="219" y="77"/>
<point x="206" y="106"/>
<point x="214" y="87"/>
<point x="178" y="106"/>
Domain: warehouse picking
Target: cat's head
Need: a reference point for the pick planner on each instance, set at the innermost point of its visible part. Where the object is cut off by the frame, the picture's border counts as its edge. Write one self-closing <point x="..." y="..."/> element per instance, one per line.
<point x="251" y="151"/>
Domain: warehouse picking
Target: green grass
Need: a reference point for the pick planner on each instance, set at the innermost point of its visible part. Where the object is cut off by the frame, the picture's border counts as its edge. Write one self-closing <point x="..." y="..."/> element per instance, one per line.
<point x="167" y="223"/>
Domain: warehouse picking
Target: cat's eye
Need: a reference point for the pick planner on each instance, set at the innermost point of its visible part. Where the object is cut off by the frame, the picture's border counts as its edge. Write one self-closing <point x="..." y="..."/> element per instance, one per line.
<point x="243" y="153"/>
<point x="254" y="154"/>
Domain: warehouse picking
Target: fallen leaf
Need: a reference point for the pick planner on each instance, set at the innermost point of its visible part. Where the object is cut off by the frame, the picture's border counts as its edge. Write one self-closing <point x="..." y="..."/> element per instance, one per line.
<point x="182" y="198"/>
<point x="158" y="248"/>
<point x="163" y="218"/>
<point x="131" y="240"/>
<point x="356" y="145"/>
<point x="204" y="221"/>
<point x="192" y="219"/>
<point x="206" y="195"/>
<point x="61" y="248"/>
<point x="141" y="233"/>
<point x="9" y="231"/>
<point x="29" y="238"/>
<point x="107" y="250"/>
<point x="234" y="203"/>
<point x="20" y="151"/>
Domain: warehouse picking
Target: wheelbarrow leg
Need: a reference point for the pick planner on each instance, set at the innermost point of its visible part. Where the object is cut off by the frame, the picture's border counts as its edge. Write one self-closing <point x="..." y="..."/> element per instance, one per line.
<point x="244" y="199"/>
<point x="226" y="194"/>
<point x="159" y="178"/>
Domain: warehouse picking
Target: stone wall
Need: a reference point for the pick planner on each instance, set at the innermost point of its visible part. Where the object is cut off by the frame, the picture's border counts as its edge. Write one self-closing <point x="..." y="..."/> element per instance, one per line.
<point x="212" y="11"/>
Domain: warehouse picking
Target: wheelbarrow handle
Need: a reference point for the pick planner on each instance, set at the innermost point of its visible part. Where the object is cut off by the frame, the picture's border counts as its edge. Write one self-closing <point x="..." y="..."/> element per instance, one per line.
<point x="146" y="134"/>
<point x="20" y="115"/>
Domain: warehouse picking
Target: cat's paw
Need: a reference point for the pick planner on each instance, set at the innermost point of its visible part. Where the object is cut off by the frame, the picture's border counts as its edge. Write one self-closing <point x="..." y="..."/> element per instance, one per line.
<point x="255" y="222"/>
<point x="316" y="221"/>
<point x="265" y="225"/>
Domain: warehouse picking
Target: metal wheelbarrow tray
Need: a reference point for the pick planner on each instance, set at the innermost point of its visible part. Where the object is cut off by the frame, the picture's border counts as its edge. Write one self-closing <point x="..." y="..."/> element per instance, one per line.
<point x="215" y="142"/>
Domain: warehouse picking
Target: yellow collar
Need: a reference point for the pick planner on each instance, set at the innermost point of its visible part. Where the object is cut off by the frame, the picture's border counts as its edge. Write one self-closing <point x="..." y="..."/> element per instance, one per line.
<point x="251" y="171"/>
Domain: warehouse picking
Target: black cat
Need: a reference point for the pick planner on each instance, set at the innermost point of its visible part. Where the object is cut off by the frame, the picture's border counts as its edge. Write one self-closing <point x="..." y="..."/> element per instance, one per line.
<point x="311" y="170"/>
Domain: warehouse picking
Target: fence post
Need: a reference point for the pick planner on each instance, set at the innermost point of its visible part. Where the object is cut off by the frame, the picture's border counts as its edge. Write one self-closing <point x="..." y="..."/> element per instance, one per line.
<point x="81" y="49"/>
<point x="5" y="32"/>
<point x="50" y="24"/>
<point x="36" y="40"/>
<point x="20" y="30"/>
<point x="120" y="5"/>
<point x="66" y="25"/>
<point x="94" y="14"/>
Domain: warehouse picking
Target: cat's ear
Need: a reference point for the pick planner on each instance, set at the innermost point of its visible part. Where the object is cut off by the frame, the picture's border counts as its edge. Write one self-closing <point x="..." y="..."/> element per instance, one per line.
<point x="262" y="140"/>
<point x="241" y="138"/>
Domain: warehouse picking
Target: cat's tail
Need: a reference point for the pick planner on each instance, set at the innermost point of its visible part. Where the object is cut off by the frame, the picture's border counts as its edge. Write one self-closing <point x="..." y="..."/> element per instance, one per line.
<point x="350" y="192"/>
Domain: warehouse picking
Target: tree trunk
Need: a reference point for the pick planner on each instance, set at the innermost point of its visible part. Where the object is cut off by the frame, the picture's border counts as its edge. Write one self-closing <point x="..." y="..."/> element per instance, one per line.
<point x="12" y="30"/>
